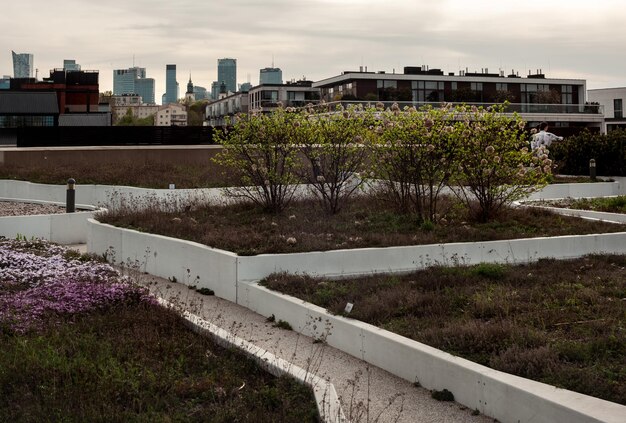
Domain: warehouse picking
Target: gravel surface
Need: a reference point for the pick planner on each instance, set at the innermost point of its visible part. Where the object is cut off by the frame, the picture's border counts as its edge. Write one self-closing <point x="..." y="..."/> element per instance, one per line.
<point x="16" y="208"/>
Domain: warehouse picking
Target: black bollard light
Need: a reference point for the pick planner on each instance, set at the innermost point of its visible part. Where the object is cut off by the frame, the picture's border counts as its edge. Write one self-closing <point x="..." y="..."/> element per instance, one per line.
<point x="592" y="169"/>
<point x="70" y="198"/>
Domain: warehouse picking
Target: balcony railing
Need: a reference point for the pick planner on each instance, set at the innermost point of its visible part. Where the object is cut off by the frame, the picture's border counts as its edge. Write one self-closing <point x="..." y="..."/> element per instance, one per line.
<point x="592" y="109"/>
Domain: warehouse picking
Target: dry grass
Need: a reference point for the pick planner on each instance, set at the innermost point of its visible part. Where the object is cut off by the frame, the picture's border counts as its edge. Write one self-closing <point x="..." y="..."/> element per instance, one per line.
<point x="303" y="226"/>
<point x="139" y="363"/>
<point x="558" y="322"/>
<point x="146" y="175"/>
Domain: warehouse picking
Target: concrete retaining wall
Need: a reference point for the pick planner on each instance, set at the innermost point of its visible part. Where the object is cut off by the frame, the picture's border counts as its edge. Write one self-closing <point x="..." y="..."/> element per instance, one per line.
<point x="364" y="261"/>
<point x="62" y="228"/>
<point x="188" y="262"/>
<point x="109" y="196"/>
<point x="579" y="190"/>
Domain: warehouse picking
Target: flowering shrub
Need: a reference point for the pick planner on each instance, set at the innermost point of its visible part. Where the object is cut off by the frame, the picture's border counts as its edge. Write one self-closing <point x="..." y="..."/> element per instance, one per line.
<point x="334" y="146"/>
<point x="495" y="166"/>
<point x="262" y="149"/>
<point x="414" y="156"/>
<point x="39" y="284"/>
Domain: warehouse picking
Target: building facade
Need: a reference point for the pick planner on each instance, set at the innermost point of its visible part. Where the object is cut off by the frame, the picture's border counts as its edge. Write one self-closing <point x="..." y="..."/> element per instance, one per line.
<point x="144" y="87"/>
<point x="270" y="76"/>
<point x="171" y="85"/>
<point x="227" y="73"/>
<point x="263" y="98"/>
<point x="77" y="91"/>
<point x="200" y="93"/>
<point x="133" y="81"/>
<point x="172" y="114"/>
<point x="612" y="100"/>
<point x="561" y="102"/>
<point x="23" y="65"/>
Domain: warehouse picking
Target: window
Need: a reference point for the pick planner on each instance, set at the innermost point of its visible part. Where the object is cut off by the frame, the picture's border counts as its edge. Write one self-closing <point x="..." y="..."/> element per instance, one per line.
<point x="476" y="86"/>
<point x="567" y="94"/>
<point x="383" y="83"/>
<point x="501" y="86"/>
<point x="618" y="108"/>
<point x="269" y="95"/>
<point x="429" y="91"/>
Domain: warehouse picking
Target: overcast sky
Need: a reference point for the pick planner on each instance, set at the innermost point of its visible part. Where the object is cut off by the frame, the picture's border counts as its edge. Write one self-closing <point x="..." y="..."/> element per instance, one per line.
<point x="318" y="39"/>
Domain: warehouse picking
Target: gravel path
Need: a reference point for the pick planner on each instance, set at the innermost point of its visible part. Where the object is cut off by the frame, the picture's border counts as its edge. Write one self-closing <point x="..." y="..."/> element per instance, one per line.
<point x="16" y="208"/>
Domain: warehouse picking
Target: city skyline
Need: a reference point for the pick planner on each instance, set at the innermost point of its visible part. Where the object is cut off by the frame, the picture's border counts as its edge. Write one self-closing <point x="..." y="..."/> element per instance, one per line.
<point x="318" y="39"/>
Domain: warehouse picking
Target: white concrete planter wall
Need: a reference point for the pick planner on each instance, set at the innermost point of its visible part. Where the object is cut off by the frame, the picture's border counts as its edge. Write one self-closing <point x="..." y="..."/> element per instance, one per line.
<point x="62" y="228"/>
<point x="105" y="195"/>
<point x="366" y="261"/>
<point x="109" y="195"/>
<point x="580" y="190"/>
<point x="189" y="262"/>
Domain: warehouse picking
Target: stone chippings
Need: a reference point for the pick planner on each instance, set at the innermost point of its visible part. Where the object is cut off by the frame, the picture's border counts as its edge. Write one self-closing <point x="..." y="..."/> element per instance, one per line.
<point x="15" y="208"/>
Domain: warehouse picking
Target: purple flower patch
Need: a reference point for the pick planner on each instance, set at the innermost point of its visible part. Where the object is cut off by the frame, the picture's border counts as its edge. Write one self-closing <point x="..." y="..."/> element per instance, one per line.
<point x="39" y="286"/>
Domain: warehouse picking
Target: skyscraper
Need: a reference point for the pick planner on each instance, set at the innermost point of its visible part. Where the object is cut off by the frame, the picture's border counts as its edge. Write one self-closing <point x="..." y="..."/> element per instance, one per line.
<point x="133" y="81"/>
<point x="227" y="73"/>
<point x="171" y="85"/>
<point x="70" y="65"/>
<point x="145" y="88"/>
<point x="270" y="76"/>
<point x="23" y="65"/>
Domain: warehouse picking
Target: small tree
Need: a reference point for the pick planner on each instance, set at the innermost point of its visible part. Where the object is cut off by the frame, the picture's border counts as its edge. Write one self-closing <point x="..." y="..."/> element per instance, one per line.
<point x="495" y="166"/>
<point x="261" y="150"/>
<point x="414" y="157"/>
<point x="334" y="146"/>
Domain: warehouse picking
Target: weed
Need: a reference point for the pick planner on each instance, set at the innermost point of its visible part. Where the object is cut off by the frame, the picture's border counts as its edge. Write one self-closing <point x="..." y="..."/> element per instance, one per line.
<point x="281" y="324"/>
<point x="205" y="291"/>
<point x="488" y="270"/>
<point x="443" y="395"/>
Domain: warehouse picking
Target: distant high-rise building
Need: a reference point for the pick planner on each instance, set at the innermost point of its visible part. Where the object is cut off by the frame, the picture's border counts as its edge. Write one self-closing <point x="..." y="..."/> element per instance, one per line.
<point x="270" y="76"/>
<point x="215" y="90"/>
<point x="171" y="85"/>
<point x="227" y="73"/>
<point x="70" y="65"/>
<point x="145" y="88"/>
<point x="23" y="65"/>
<point x="245" y="87"/>
<point x="200" y="92"/>
<point x="133" y="81"/>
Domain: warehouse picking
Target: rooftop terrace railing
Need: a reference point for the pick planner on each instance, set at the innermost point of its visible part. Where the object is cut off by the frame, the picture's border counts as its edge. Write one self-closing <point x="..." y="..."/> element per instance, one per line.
<point x="592" y="109"/>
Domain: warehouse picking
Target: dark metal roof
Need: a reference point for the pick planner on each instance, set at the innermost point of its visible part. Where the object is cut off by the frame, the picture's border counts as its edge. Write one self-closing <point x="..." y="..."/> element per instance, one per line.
<point x="24" y="102"/>
<point x="85" y="119"/>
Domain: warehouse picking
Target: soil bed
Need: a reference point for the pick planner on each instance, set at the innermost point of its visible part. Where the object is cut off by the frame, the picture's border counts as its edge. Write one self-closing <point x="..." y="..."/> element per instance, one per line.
<point x="16" y="208"/>
<point x="365" y="222"/>
<point x="558" y="322"/>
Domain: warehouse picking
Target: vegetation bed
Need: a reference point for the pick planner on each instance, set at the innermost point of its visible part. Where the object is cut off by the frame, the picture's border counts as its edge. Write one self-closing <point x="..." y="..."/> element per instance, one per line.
<point x="364" y="222"/>
<point x="79" y="343"/>
<point x="144" y="175"/>
<point x="558" y="322"/>
<point x="604" y="204"/>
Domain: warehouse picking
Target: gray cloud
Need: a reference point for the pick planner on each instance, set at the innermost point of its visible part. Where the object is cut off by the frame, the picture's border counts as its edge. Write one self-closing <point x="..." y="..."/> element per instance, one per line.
<point x="319" y="38"/>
